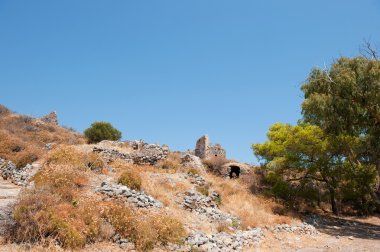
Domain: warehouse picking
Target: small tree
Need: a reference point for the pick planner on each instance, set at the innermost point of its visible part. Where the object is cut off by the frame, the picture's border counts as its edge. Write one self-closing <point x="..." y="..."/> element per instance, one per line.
<point x="100" y="131"/>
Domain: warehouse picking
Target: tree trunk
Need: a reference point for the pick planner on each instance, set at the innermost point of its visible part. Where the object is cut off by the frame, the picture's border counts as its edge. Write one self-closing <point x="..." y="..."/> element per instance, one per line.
<point x="334" y="205"/>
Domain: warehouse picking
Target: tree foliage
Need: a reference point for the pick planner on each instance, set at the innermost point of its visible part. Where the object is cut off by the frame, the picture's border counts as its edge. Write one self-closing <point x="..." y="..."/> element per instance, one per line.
<point x="305" y="158"/>
<point x="100" y="131"/>
<point x="335" y="148"/>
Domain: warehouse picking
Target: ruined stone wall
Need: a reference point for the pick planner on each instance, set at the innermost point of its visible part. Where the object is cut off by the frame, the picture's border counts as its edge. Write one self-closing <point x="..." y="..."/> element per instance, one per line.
<point x="205" y="150"/>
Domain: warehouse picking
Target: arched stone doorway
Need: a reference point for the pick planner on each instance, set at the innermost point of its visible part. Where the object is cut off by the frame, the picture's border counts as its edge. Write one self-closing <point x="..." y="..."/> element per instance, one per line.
<point x="234" y="171"/>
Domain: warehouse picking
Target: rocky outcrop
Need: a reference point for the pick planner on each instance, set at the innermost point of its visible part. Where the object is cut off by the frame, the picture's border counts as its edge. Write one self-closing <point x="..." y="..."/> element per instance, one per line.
<point x="225" y="242"/>
<point x="18" y="176"/>
<point x="137" y="198"/>
<point x="51" y="118"/>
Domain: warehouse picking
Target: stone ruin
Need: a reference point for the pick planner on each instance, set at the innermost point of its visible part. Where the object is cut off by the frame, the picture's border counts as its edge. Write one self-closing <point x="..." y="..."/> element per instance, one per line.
<point x="205" y="150"/>
<point x="51" y="118"/>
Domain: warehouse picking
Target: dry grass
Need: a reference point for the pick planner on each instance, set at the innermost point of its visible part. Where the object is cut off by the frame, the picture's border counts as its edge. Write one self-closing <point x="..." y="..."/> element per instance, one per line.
<point x="143" y="228"/>
<point x="41" y="216"/>
<point x="130" y="178"/>
<point x="214" y="164"/>
<point x="69" y="155"/>
<point x="22" y="138"/>
<point x="21" y="153"/>
<point x="64" y="180"/>
<point x="173" y="162"/>
<point x="251" y="209"/>
<point x="163" y="187"/>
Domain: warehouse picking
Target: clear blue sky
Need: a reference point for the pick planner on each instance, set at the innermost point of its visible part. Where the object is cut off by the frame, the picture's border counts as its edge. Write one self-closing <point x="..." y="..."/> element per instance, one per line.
<point x="171" y="71"/>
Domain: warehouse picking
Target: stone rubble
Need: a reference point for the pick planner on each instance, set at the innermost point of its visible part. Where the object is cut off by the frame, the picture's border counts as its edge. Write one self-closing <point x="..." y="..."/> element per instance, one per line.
<point x="150" y="154"/>
<point x="144" y="154"/>
<point x="204" y="205"/>
<point x="197" y="179"/>
<point x="225" y="242"/>
<point x="109" y="154"/>
<point x="303" y="228"/>
<point x="137" y="198"/>
<point x="18" y="176"/>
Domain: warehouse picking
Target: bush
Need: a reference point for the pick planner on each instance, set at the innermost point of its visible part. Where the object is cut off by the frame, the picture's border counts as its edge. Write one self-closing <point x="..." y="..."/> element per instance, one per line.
<point x="100" y="131"/>
<point x="168" y="229"/>
<point x="144" y="230"/>
<point x="65" y="181"/>
<point x="40" y="215"/>
<point x="130" y="179"/>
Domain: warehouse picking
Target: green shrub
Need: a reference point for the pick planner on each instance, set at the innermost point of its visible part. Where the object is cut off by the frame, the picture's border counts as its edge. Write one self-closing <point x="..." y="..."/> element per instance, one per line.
<point x="100" y="131"/>
<point x="130" y="179"/>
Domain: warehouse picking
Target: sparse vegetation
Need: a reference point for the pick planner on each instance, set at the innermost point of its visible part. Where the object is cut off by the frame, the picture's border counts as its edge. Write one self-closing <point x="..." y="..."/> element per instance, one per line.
<point x="144" y="230"/>
<point x="131" y="179"/>
<point x="100" y="131"/>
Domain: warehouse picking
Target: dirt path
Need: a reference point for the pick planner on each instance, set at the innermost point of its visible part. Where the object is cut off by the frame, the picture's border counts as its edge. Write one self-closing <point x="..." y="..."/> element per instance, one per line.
<point x="336" y="234"/>
<point x="8" y="195"/>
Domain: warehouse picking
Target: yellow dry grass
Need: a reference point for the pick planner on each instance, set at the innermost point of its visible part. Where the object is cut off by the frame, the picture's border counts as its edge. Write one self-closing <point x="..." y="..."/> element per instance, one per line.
<point x="253" y="210"/>
<point x="22" y="138"/>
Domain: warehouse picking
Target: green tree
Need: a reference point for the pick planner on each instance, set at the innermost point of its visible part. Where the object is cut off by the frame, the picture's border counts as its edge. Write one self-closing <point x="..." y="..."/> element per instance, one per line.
<point x="304" y="154"/>
<point x="345" y="100"/>
<point x="100" y="131"/>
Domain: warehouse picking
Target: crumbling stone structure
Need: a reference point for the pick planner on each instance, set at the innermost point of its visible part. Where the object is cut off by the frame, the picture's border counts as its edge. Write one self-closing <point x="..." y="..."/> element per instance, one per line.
<point x="50" y="118"/>
<point x="205" y="150"/>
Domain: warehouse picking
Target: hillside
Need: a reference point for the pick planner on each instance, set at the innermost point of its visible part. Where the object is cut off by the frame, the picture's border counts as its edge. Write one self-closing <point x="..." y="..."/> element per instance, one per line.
<point x="60" y="193"/>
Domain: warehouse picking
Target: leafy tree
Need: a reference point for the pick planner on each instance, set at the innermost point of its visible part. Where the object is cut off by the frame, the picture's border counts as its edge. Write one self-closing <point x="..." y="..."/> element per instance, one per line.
<point x="304" y="154"/>
<point x="100" y="131"/>
<point x="345" y="100"/>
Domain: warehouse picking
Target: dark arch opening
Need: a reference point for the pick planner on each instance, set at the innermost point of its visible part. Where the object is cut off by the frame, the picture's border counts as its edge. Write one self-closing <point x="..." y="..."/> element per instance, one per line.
<point x="234" y="171"/>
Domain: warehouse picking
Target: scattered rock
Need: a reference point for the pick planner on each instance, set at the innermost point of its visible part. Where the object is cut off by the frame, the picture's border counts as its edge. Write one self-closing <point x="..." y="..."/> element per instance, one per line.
<point x="225" y="242"/>
<point x="303" y="228"/>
